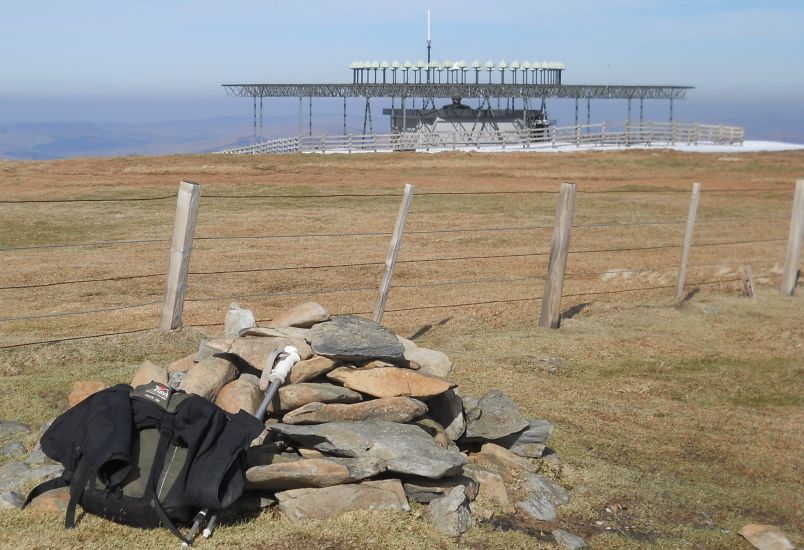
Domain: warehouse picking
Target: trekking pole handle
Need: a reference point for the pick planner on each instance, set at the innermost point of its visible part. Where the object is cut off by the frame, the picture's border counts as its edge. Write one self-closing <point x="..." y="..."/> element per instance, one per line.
<point x="280" y="372"/>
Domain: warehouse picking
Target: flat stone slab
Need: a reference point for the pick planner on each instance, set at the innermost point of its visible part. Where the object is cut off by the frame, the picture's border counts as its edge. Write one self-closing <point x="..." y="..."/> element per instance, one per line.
<point x="427" y="490"/>
<point x="530" y="442"/>
<point x="297" y="395"/>
<point x="312" y="472"/>
<point x="241" y="394"/>
<point x="405" y="449"/>
<point x="303" y="316"/>
<point x="567" y="540"/>
<point x="209" y="377"/>
<point x="543" y="497"/>
<point x="301" y="504"/>
<point x="307" y="370"/>
<point x="766" y="537"/>
<point x="353" y="338"/>
<point x="432" y="362"/>
<point x="11" y="499"/>
<point x="390" y="409"/>
<point x="254" y="350"/>
<point x="491" y="417"/>
<point x="390" y="382"/>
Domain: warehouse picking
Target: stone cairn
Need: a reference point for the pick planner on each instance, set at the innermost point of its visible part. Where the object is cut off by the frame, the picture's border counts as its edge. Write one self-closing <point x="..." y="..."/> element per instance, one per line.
<point x="366" y="420"/>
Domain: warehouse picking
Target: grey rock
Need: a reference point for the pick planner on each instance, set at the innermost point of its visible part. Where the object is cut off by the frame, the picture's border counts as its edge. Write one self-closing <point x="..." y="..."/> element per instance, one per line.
<point x="353" y="338"/>
<point x="493" y="417"/>
<point x="427" y="490"/>
<point x="543" y="497"/>
<point x="300" y="504"/>
<point x="405" y="449"/>
<point x="278" y="332"/>
<point x="11" y="428"/>
<point x="13" y="449"/>
<point x="176" y="378"/>
<point x="432" y="362"/>
<point x="711" y="309"/>
<point x="568" y="540"/>
<point x="391" y="409"/>
<point x="11" y="499"/>
<point x="16" y="474"/>
<point x="450" y="513"/>
<point x="447" y="410"/>
<point x="37" y="456"/>
<point x="237" y="319"/>
<point x="530" y="442"/>
<point x="253" y="351"/>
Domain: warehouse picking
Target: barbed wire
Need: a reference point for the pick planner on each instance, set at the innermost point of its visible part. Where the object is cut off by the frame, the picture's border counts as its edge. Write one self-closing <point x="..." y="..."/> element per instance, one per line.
<point x="279" y="293"/>
<point x="81" y="281"/>
<point x="77" y="245"/>
<point x="56" y="201"/>
<point x="73" y="313"/>
<point x="470" y="282"/>
<point x="70" y="338"/>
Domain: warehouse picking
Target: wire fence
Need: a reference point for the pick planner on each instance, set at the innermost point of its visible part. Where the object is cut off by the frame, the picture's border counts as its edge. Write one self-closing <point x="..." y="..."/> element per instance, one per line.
<point x="502" y="283"/>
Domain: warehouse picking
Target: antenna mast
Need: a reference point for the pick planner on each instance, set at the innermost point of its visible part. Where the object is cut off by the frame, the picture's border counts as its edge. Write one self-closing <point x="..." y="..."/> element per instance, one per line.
<point x="428" y="46"/>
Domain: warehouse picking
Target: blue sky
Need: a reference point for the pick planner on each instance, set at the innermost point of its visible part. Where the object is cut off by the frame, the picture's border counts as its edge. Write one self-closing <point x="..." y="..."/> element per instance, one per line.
<point x="114" y="60"/>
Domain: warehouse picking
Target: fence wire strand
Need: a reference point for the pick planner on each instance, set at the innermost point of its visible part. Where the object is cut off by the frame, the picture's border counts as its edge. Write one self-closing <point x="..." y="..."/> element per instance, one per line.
<point x="73" y="313"/>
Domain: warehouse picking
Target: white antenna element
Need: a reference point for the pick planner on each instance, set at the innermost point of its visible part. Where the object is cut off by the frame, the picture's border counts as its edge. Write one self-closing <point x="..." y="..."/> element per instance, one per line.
<point x="428" y="25"/>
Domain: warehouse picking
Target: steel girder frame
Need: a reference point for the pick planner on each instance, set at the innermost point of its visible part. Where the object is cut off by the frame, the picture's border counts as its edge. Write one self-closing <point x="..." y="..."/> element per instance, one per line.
<point x="483" y="91"/>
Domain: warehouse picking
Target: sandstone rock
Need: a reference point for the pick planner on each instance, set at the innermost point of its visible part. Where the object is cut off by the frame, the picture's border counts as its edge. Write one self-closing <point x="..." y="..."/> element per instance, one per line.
<point x="182" y="365"/>
<point x="503" y="461"/>
<point x="390" y="409"/>
<point x="237" y="319"/>
<point x="493" y="417"/>
<point x="312" y="472"/>
<point x="83" y="389"/>
<point x="269" y="453"/>
<point x="766" y="537"/>
<point x="450" y="513"/>
<point x="11" y="499"/>
<point x="491" y="487"/>
<point x="17" y="474"/>
<point x="55" y="500"/>
<point x="432" y="362"/>
<point x="13" y="449"/>
<point x="241" y="394"/>
<point x="530" y="442"/>
<point x="405" y="449"/>
<point x="427" y="490"/>
<point x="209" y="377"/>
<point x="311" y="368"/>
<point x="303" y="316"/>
<point x="299" y="504"/>
<point x="390" y="382"/>
<point x="543" y="497"/>
<point x="480" y="511"/>
<point x="311" y="453"/>
<point x="297" y="395"/>
<point x="447" y="410"/>
<point x="254" y="350"/>
<point x="379" y="363"/>
<point x="353" y="338"/>
<point x="149" y="372"/>
<point x="12" y="428"/>
<point x="278" y="332"/>
<point x="568" y="540"/>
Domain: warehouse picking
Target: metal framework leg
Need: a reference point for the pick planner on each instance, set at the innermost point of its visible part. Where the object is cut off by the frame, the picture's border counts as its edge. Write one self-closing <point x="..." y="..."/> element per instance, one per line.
<point x="301" y="114"/>
<point x="261" y="135"/>
<point x="588" y="111"/>
<point x="344" y="115"/>
<point x="310" y="114"/>
<point x="641" y="106"/>
<point x="254" y="136"/>
<point x="671" y="110"/>
<point x="576" y="112"/>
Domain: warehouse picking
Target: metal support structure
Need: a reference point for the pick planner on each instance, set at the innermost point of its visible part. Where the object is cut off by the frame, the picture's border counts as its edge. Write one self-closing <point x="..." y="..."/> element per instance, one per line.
<point x="671" y="110"/>
<point x="310" y="115"/>
<point x="301" y="116"/>
<point x="344" y="116"/>
<point x="641" y="109"/>
<point x="576" y="111"/>
<point x="254" y="137"/>
<point x="261" y="134"/>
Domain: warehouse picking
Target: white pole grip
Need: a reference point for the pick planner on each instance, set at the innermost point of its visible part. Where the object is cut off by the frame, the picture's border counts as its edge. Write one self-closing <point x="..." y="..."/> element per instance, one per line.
<point x="282" y="369"/>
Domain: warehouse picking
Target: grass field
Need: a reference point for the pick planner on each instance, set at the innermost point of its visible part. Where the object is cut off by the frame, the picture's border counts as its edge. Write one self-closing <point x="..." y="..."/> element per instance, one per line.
<point x="683" y="420"/>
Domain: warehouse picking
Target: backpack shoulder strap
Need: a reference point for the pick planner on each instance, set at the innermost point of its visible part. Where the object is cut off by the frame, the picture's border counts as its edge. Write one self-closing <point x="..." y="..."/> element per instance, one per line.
<point x="55" y="483"/>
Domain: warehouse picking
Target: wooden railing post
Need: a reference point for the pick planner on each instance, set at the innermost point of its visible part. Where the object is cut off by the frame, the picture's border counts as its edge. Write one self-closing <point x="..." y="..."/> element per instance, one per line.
<point x="556" y="267"/>
<point x="180" y="249"/>
<point x="685" y="252"/>
<point x="794" y="239"/>
<point x="393" y="252"/>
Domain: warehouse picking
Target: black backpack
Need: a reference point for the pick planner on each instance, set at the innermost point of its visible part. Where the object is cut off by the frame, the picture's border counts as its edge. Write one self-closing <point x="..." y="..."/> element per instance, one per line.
<point x="149" y="456"/>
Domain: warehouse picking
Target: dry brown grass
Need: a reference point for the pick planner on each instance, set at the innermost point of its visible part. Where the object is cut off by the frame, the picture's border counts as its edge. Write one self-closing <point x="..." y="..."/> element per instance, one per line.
<point x="686" y="416"/>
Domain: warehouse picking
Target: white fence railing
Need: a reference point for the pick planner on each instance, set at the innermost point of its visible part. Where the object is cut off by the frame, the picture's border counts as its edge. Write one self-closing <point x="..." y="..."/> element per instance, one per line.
<point x="618" y="134"/>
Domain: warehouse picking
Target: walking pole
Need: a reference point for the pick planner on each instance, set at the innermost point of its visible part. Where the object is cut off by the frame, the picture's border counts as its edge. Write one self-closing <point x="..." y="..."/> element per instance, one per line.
<point x="273" y="376"/>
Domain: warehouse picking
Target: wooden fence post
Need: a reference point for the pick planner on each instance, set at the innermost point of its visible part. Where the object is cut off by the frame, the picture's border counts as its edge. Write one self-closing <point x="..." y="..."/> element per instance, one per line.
<point x="794" y="239"/>
<point x="554" y="285"/>
<point x="180" y="248"/>
<point x="393" y="252"/>
<point x="685" y="252"/>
